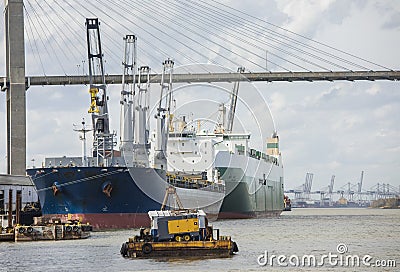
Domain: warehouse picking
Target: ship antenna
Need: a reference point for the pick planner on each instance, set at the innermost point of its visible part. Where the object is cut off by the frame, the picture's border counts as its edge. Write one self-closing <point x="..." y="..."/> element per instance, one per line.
<point x="83" y="130"/>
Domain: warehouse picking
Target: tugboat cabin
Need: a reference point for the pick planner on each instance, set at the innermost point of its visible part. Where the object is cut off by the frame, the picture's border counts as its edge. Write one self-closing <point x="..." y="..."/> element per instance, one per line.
<point x="186" y="225"/>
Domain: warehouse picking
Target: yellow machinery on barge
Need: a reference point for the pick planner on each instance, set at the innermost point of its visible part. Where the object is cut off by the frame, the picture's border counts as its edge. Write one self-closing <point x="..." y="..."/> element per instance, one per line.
<point x="178" y="233"/>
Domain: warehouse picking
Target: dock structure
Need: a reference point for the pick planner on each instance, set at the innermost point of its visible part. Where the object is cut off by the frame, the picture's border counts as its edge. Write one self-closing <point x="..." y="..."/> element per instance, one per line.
<point x="16" y="193"/>
<point x="51" y="230"/>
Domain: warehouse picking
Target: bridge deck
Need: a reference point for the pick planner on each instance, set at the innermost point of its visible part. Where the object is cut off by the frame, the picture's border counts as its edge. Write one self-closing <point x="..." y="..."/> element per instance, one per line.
<point x="220" y="77"/>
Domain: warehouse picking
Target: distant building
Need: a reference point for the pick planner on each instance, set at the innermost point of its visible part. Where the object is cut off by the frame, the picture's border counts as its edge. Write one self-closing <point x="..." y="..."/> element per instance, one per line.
<point x="18" y="185"/>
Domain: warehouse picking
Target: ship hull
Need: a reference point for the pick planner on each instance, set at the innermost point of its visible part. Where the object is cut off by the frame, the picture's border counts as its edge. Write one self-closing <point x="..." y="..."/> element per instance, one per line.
<point x="103" y="221"/>
<point x="120" y="197"/>
<point x="254" y="187"/>
<point x="112" y="197"/>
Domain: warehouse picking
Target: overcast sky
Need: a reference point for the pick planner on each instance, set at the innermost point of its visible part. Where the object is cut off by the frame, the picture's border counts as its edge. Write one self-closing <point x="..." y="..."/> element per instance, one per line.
<point x="325" y="128"/>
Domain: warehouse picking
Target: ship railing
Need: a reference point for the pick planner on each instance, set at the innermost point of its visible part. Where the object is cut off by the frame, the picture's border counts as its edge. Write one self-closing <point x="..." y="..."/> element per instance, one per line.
<point x="189" y="183"/>
<point x="262" y="156"/>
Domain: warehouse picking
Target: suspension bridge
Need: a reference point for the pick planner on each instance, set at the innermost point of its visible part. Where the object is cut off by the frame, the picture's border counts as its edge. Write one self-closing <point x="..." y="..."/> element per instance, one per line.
<point x="190" y="30"/>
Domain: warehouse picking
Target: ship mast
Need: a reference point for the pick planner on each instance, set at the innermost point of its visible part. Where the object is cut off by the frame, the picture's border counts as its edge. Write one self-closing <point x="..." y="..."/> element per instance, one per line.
<point x="127" y="103"/>
<point x="83" y="130"/>
<point x="103" y="142"/>
<point x="163" y="111"/>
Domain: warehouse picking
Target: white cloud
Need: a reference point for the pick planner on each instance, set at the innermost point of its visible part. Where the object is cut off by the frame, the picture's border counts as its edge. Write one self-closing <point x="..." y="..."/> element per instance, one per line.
<point x="278" y="102"/>
<point x="303" y="15"/>
<point x="384" y="111"/>
<point x="374" y="90"/>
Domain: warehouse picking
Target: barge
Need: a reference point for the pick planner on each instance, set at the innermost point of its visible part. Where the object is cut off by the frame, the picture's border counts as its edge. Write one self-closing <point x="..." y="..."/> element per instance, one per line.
<point x="54" y="230"/>
<point x="179" y="233"/>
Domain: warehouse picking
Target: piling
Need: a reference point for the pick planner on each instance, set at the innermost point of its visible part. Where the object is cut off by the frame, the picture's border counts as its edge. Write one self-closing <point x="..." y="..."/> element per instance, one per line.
<point x="18" y="205"/>
<point x="10" y="225"/>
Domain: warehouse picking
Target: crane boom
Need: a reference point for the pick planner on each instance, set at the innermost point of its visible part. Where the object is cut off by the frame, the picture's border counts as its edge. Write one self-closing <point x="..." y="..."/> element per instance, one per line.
<point x="360" y="183"/>
<point x="232" y="108"/>
<point x="330" y="189"/>
<point x="127" y="103"/>
<point x="308" y="184"/>
<point x="163" y="112"/>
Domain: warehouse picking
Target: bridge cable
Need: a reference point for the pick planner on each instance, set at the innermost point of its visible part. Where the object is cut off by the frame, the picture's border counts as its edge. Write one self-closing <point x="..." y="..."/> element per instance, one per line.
<point x="191" y="39"/>
<point x="255" y="31"/>
<point x="40" y="23"/>
<point x="243" y="40"/>
<point x="180" y="42"/>
<point x="83" y="30"/>
<point x="218" y="21"/>
<point x="71" y="52"/>
<point x="32" y="43"/>
<point x="296" y="34"/>
<point x="234" y="21"/>
<point x="108" y="15"/>
<point x="105" y="33"/>
<point x="71" y="30"/>
<point x="227" y="49"/>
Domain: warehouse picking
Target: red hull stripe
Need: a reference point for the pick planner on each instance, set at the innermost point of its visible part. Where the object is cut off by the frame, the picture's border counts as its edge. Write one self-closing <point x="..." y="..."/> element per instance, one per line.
<point x="101" y="221"/>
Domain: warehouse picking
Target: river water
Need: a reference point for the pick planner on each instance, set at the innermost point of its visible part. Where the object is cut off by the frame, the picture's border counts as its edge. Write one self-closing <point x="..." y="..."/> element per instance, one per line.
<point x="317" y="232"/>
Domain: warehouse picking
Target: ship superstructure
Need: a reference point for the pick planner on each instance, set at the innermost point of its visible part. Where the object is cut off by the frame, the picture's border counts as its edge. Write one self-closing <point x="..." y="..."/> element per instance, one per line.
<point x="253" y="179"/>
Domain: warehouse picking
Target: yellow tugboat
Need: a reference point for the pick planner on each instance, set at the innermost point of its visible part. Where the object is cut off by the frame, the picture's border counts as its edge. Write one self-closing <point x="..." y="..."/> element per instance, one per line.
<point x="178" y="233"/>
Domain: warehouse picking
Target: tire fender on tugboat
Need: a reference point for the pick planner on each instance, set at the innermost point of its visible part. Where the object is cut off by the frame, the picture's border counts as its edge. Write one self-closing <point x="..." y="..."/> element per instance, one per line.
<point x="147" y="248"/>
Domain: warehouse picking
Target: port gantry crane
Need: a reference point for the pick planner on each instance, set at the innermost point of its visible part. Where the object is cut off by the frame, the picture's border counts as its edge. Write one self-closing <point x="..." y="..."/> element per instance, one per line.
<point x="303" y="192"/>
<point x="352" y="189"/>
<point x="328" y="191"/>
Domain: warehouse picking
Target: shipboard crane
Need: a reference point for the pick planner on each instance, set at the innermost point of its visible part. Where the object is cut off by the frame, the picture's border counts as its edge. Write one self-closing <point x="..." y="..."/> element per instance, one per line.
<point x="232" y="108"/>
<point x="163" y="112"/>
<point x="103" y="141"/>
<point x="127" y="102"/>
<point x="141" y="108"/>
